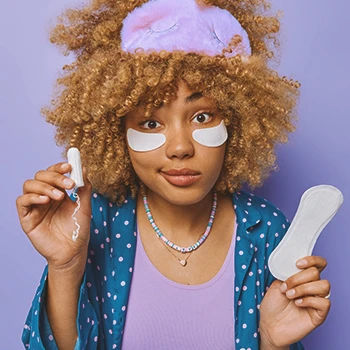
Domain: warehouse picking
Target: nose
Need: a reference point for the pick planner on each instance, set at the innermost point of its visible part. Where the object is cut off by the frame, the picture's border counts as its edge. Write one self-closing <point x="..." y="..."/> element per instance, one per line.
<point x="179" y="143"/>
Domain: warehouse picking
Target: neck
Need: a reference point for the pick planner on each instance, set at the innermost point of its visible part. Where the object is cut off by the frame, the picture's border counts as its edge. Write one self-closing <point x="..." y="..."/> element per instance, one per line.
<point x="182" y="224"/>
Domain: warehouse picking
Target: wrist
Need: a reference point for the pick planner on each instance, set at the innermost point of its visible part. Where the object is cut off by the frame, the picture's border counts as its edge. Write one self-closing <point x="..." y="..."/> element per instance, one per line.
<point x="264" y="345"/>
<point x="267" y="344"/>
<point x="75" y="269"/>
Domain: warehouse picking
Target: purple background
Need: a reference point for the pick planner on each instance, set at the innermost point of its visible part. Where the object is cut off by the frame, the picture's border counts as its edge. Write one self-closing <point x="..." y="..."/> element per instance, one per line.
<point x="315" y="52"/>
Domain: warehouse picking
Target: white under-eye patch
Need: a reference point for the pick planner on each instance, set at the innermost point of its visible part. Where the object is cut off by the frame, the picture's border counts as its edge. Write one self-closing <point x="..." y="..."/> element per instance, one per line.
<point x="143" y="141"/>
<point x="211" y="137"/>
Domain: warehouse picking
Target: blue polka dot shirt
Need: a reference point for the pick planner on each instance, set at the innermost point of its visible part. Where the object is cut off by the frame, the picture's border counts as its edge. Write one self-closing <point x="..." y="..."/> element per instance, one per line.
<point x="104" y="292"/>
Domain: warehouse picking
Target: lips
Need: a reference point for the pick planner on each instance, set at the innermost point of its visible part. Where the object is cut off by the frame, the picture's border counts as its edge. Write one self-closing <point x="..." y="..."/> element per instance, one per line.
<point x="181" y="177"/>
<point x="180" y="172"/>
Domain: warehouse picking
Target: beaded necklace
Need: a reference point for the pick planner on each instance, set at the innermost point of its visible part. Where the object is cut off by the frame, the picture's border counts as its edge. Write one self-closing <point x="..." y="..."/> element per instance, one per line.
<point x="171" y="244"/>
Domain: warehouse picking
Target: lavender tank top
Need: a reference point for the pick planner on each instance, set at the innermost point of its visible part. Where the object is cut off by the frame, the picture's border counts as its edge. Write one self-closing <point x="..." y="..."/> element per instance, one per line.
<point x="163" y="314"/>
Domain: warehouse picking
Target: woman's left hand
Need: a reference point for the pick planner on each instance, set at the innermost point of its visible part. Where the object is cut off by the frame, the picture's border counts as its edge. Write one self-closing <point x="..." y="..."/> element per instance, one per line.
<point x="285" y="320"/>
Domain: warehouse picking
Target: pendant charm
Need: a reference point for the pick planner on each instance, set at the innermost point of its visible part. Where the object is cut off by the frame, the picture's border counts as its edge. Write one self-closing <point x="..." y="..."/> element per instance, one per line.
<point x="183" y="262"/>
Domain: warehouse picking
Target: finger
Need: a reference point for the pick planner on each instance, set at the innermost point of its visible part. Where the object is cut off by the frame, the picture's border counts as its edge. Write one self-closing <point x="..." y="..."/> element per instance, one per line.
<point x="321" y="308"/>
<point x="43" y="188"/>
<point x="61" y="168"/>
<point x="25" y="202"/>
<point x="318" y="288"/>
<point x="318" y="261"/>
<point x="305" y="276"/>
<point x="52" y="178"/>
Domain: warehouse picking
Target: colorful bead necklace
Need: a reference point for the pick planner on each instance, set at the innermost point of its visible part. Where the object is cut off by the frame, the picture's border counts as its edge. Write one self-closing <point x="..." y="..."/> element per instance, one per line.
<point x="171" y="244"/>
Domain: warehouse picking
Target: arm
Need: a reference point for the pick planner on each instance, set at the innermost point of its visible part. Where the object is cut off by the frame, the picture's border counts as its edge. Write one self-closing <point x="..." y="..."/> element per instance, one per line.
<point x="37" y="333"/>
<point x="62" y="304"/>
<point x="266" y="346"/>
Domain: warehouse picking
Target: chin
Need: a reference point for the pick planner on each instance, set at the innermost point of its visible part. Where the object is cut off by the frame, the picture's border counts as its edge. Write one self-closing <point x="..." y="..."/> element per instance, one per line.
<point x="180" y="195"/>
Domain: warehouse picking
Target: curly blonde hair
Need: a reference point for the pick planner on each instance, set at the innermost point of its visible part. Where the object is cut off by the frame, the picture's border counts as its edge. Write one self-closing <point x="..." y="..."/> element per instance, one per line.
<point x="105" y="83"/>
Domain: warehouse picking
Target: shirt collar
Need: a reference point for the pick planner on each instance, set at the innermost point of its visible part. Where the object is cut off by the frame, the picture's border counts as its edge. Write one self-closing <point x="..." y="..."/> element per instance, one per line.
<point x="246" y="213"/>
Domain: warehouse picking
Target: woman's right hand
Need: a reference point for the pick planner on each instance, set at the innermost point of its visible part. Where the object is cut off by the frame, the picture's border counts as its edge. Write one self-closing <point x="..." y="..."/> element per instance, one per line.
<point x="48" y="221"/>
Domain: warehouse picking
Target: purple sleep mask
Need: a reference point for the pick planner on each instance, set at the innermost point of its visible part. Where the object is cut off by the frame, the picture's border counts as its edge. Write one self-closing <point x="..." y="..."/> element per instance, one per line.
<point x="183" y="25"/>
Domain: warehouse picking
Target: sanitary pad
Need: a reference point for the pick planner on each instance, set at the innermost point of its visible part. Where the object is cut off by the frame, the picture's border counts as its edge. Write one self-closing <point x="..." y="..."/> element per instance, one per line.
<point x="317" y="207"/>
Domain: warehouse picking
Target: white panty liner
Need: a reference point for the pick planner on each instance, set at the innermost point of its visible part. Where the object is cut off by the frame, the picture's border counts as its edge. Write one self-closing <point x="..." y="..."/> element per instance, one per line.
<point x="317" y="207"/>
<point x="144" y="142"/>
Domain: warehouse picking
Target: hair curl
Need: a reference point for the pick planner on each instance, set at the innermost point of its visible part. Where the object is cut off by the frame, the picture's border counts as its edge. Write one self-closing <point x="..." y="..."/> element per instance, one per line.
<point x="104" y="83"/>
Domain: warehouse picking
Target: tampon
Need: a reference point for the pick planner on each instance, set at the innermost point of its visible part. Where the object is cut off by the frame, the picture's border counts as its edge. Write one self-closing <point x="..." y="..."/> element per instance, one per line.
<point x="76" y="175"/>
<point x="77" y="171"/>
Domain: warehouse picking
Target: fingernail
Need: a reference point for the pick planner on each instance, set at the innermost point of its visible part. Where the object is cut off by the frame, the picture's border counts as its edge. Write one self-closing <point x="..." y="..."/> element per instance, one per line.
<point x="57" y="193"/>
<point x="68" y="182"/>
<point x="64" y="165"/>
<point x="291" y="292"/>
<point x="283" y="287"/>
<point x="299" y="301"/>
<point x="301" y="263"/>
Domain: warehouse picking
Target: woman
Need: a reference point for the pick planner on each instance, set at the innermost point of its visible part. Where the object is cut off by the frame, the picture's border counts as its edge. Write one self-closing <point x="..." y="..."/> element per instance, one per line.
<point x="173" y="108"/>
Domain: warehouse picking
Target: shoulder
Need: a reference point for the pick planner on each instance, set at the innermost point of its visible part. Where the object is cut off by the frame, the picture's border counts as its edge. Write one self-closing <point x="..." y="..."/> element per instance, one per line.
<point x="264" y="223"/>
<point x="103" y="209"/>
<point x="259" y="211"/>
<point x="107" y="216"/>
<point x="268" y="225"/>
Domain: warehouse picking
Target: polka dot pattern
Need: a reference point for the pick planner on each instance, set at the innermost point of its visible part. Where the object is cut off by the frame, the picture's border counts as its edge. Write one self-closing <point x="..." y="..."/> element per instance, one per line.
<point x="103" y="298"/>
<point x="265" y="226"/>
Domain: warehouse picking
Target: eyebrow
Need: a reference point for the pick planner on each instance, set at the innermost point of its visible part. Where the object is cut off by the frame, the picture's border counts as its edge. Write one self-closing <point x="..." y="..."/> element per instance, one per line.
<point x="194" y="97"/>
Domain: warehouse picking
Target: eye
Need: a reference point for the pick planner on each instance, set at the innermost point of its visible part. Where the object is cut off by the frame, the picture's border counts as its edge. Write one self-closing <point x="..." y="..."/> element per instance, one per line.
<point x="149" y="124"/>
<point x="203" y="117"/>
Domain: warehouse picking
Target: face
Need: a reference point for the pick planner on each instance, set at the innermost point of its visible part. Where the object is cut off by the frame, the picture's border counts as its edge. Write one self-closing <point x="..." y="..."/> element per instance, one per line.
<point x="185" y="137"/>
